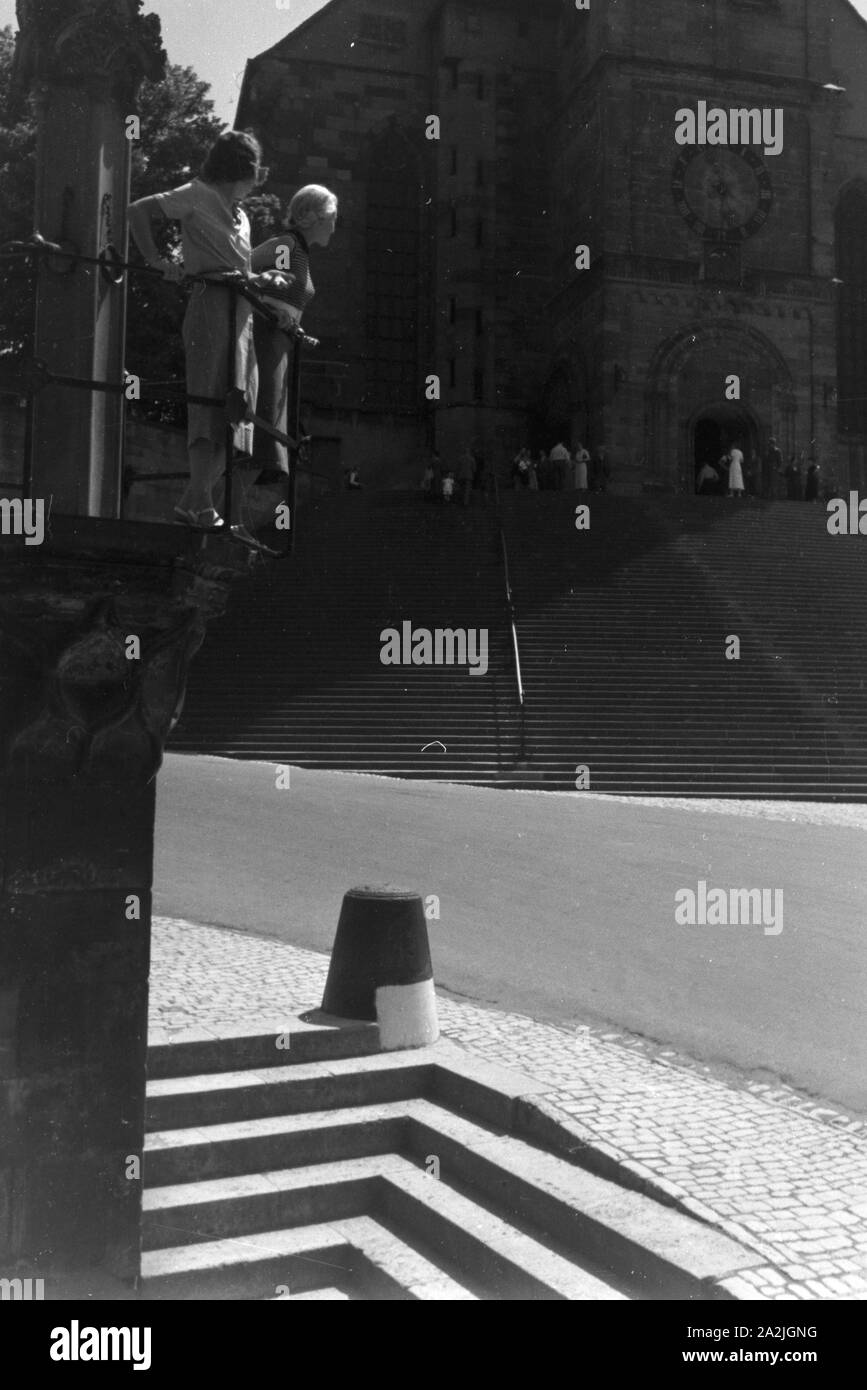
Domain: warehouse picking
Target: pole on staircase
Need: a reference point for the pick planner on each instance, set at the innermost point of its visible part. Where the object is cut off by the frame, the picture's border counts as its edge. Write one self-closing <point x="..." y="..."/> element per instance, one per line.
<point x="293" y="429"/>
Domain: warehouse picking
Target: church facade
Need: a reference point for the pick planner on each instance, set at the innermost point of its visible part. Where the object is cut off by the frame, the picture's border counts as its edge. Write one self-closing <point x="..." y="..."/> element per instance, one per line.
<point x="631" y="225"/>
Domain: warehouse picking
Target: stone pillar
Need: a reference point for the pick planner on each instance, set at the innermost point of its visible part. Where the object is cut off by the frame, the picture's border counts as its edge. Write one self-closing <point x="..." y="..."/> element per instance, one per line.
<point x="84" y="713"/>
<point x="84" y="61"/>
<point x="98" y="623"/>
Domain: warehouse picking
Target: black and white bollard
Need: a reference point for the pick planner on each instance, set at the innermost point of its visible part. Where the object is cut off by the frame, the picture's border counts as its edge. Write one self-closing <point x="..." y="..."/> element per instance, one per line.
<point x="381" y="967"/>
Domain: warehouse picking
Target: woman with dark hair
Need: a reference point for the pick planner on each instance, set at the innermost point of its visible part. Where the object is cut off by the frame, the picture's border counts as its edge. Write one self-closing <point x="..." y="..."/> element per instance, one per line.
<point x="215" y="235"/>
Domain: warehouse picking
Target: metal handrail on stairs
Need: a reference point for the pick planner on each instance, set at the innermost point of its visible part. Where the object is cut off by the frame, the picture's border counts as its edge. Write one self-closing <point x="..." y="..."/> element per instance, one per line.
<point x="510" y="608"/>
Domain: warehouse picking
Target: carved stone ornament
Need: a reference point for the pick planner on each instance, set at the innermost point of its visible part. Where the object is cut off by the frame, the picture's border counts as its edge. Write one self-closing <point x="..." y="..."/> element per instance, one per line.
<point x="95" y="704"/>
<point x="71" y="42"/>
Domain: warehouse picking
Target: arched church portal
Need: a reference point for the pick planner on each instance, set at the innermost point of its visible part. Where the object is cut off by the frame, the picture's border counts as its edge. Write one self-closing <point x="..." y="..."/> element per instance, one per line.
<point x="688" y="418"/>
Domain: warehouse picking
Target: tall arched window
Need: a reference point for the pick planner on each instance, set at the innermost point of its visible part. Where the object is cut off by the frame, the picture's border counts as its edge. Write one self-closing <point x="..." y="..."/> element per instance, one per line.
<point x="394" y="197"/>
<point x="851" y="240"/>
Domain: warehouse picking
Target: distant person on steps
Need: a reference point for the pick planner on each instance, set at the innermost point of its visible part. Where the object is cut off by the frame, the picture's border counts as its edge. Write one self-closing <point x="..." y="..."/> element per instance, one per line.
<point x="772" y="469"/>
<point x="580" y="464"/>
<point x="793" y="480"/>
<point x="466" y="473"/>
<point x="736" y="470"/>
<point x="521" y="469"/>
<point x="707" y="480"/>
<point x="600" y="469"/>
<point x="559" y="460"/>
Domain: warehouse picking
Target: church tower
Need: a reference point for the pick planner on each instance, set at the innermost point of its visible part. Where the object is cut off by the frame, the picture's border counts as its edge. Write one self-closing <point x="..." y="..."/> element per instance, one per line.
<point x="696" y="158"/>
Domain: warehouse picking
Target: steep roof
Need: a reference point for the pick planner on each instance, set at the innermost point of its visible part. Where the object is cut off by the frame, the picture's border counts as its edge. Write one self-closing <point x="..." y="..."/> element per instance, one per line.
<point x="849" y="5"/>
<point x="294" y="30"/>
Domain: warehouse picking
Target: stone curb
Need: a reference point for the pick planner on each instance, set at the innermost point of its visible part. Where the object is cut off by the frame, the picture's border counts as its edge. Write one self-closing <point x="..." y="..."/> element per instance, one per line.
<point x="534" y="1118"/>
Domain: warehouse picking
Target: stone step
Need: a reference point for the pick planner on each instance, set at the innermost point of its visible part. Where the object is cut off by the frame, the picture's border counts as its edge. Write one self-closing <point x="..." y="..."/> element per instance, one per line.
<point x="621" y="1230"/>
<point x="190" y="1052"/>
<point x="212" y="1099"/>
<point x="249" y="1267"/>
<point x="369" y="1258"/>
<point x="203" y="1211"/>
<point x="424" y="1213"/>
<point x="443" y="1072"/>
<point x="250" y="1146"/>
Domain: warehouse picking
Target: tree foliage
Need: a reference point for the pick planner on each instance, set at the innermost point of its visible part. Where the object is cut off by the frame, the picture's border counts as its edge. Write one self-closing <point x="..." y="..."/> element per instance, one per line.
<point x="17" y="184"/>
<point x="177" y="129"/>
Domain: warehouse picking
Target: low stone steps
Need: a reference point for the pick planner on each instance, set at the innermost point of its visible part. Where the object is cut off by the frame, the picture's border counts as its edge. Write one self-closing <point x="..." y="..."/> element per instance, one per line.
<point x="426" y="1232"/>
<point x="196" y="1055"/>
<point x="358" y="1256"/>
<point x="389" y="1176"/>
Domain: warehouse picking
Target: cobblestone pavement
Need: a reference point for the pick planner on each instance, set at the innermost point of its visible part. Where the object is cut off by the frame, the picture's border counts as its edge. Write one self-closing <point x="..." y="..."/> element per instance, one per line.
<point x="783" y="1174"/>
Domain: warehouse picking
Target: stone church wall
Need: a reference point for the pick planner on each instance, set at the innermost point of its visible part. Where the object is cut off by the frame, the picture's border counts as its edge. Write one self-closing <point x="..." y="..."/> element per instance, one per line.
<point x="558" y="130"/>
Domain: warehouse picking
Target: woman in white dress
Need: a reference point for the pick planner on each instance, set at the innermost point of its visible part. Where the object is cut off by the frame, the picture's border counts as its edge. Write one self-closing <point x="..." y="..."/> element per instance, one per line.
<point x="579" y="467"/>
<point x="736" y="471"/>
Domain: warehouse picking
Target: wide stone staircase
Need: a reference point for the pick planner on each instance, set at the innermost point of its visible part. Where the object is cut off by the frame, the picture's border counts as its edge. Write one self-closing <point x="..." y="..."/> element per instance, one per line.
<point x="622" y="629"/>
<point x="292" y="673"/>
<point x="319" y="1173"/>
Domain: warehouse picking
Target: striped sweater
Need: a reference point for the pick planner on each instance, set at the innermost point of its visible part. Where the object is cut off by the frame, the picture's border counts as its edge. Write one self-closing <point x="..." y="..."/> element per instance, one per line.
<point x="299" y="294"/>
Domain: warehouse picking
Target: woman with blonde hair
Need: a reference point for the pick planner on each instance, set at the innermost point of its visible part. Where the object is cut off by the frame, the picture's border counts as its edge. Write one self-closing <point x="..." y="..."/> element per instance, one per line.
<point x="215" y="235"/>
<point x="311" y="222"/>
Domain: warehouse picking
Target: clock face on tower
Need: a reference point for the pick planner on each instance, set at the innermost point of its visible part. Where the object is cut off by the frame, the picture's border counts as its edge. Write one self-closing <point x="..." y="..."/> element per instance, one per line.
<point x="724" y="194"/>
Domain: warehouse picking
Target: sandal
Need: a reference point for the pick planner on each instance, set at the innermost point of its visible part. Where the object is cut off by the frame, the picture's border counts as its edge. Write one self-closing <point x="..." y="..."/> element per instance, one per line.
<point x="196" y="520"/>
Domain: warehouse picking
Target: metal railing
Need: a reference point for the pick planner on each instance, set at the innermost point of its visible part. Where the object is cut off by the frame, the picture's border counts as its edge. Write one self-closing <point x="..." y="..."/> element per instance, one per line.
<point x="510" y="608"/>
<point x="27" y="376"/>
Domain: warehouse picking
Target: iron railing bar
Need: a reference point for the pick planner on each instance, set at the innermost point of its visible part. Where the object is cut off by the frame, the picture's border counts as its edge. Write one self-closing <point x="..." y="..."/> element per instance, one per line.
<point x="91" y="384"/>
<point x="38" y="248"/>
<point x="510" y="608"/>
<point x="135" y="475"/>
<point x="232" y="280"/>
<point x="294" y="388"/>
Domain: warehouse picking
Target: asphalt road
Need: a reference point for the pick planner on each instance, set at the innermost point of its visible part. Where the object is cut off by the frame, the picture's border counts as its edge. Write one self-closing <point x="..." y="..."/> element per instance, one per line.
<point x="560" y="907"/>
